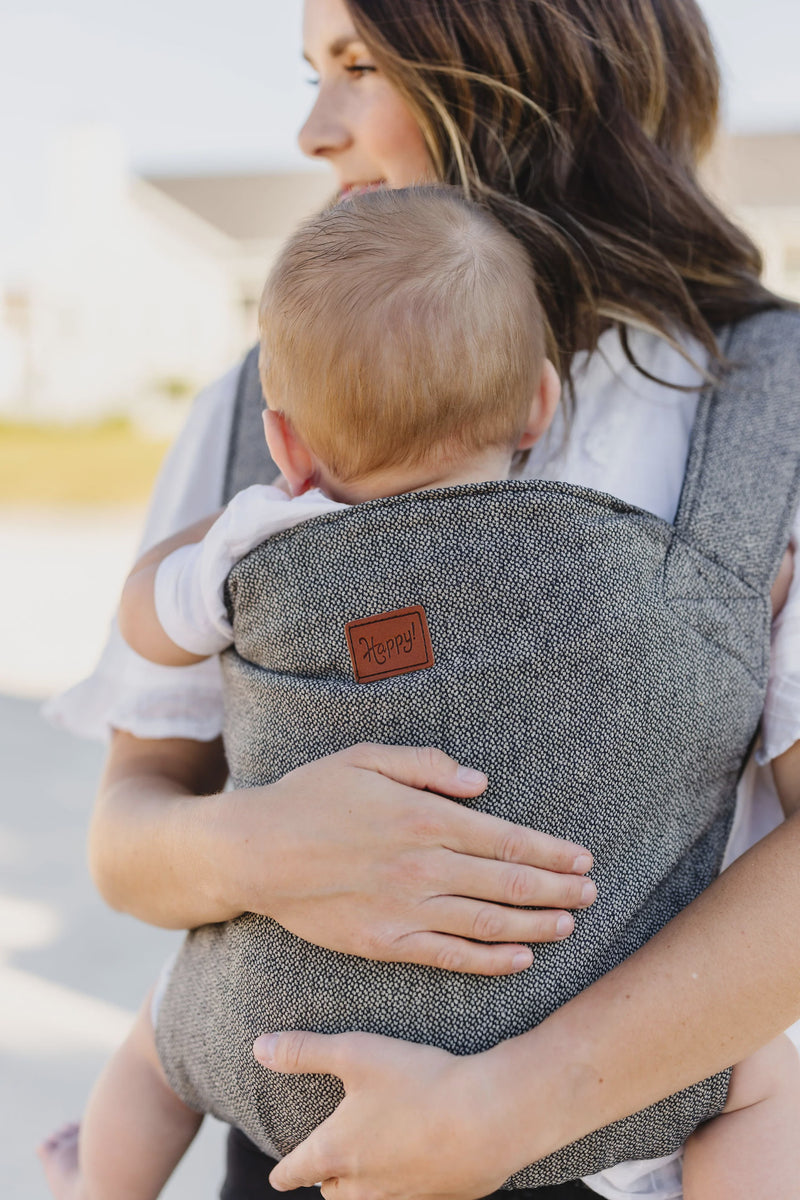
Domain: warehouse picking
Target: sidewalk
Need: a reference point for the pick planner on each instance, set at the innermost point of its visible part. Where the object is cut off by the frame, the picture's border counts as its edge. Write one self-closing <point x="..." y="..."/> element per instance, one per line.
<point x="72" y="972"/>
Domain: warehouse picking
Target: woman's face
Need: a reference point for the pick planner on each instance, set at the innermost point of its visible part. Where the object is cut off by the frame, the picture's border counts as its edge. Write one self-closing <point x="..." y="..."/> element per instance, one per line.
<point x="358" y="123"/>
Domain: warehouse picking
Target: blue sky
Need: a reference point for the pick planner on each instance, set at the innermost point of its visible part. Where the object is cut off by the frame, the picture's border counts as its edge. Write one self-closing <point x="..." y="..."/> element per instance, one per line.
<point x="215" y="86"/>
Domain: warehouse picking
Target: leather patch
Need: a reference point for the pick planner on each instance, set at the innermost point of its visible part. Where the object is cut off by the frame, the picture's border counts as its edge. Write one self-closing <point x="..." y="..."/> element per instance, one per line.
<point x="390" y="644"/>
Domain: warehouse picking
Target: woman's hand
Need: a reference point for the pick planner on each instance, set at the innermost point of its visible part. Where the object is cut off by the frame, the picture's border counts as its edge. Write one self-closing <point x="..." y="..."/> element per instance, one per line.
<point x="356" y="853"/>
<point x="368" y="859"/>
<point x="415" y="1121"/>
<point x="418" y="1123"/>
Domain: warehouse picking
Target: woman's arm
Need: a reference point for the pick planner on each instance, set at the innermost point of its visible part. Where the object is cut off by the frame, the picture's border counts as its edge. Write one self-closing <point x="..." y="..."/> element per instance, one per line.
<point x="346" y="852"/>
<point x="151" y="839"/>
<point x="717" y="982"/>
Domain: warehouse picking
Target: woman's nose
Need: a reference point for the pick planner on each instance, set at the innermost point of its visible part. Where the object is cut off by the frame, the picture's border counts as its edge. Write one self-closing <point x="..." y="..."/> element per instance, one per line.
<point x="324" y="132"/>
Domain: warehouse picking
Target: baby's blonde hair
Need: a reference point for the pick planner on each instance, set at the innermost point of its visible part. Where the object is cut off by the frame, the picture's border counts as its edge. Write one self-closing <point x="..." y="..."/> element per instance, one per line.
<point x="402" y="326"/>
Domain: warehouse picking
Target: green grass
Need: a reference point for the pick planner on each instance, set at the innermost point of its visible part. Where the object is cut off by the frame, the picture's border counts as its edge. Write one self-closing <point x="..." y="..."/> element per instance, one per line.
<point x="108" y="463"/>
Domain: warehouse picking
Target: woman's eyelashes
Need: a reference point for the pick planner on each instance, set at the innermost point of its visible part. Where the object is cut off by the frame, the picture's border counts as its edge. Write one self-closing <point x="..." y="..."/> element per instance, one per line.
<point x="356" y="70"/>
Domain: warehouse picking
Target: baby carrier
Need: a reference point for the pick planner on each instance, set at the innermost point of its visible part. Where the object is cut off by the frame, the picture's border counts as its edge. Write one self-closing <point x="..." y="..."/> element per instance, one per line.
<point x="606" y="669"/>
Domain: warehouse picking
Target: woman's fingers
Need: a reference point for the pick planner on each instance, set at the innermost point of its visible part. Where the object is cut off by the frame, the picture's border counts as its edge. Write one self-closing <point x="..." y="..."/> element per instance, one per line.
<point x="401" y="1101"/>
<point x="378" y="859"/>
<point x="458" y="954"/>
<point x="301" y="1169"/>
<point x="462" y="829"/>
<point x="495" y="922"/>
<point x="300" y="1053"/>
<point x="485" y="836"/>
<point x="514" y="884"/>
<point x="421" y="767"/>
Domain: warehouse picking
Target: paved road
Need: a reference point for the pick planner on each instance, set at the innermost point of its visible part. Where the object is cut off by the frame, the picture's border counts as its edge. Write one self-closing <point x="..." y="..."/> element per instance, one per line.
<point x="62" y="571"/>
<point x="71" y="972"/>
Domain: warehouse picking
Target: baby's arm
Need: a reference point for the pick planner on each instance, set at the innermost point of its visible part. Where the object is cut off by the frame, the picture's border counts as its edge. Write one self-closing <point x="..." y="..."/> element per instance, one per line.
<point x="138" y="618"/>
<point x="173" y="609"/>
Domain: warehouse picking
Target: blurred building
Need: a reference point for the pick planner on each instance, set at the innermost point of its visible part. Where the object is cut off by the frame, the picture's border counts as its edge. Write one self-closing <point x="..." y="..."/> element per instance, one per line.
<point x="146" y="288"/>
<point x="756" y="177"/>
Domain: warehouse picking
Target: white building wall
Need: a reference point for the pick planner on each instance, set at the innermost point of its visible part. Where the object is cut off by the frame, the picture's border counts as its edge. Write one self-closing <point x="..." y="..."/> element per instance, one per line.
<point x="12" y="370"/>
<point x="129" y="291"/>
<point x="776" y="231"/>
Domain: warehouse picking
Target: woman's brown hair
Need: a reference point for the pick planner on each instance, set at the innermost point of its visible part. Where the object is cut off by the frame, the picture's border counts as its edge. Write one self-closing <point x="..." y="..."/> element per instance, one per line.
<point x="580" y="124"/>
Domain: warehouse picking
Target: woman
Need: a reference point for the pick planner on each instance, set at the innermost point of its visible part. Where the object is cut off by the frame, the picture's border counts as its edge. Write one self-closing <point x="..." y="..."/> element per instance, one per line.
<point x="580" y="125"/>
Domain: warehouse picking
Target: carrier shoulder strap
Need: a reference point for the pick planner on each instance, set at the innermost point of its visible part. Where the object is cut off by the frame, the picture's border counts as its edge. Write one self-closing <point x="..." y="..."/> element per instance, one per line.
<point x="742" y="484"/>
<point x="248" y="458"/>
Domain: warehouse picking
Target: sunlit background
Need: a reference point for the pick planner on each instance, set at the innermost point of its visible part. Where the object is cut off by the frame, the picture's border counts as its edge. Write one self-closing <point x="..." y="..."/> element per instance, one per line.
<point x="149" y="173"/>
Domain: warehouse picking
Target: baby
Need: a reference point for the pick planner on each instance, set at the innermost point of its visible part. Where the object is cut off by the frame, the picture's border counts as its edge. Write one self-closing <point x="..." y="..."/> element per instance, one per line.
<point x="420" y="369"/>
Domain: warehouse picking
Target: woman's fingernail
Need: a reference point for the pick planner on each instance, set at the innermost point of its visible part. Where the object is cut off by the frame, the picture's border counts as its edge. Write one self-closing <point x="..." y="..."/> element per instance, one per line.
<point x="582" y="864"/>
<point x="264" y="1048"/>
<point x="589" y="892"/>
<point x="522" y="960"/>
<point x="471" y="778"/>
<point x="564" y="926"/>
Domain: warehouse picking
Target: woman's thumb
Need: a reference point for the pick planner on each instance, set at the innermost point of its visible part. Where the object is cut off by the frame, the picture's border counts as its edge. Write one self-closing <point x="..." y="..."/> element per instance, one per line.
<point x="421" y="767"/>
<point x="299" y="1053"/>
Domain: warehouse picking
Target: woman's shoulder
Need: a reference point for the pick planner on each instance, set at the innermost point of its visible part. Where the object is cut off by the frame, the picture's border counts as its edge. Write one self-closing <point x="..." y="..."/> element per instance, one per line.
<point x="771" y="337"/>
<point x="756" y="395"/>
<point x="769" y="323"/>
<point x="628" y="433"/>
<point x="216" y="400"/>
<point x="191" y="480"/>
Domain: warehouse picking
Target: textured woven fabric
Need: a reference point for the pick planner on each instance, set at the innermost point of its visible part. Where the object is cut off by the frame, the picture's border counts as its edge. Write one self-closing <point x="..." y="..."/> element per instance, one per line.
<point x="606" y="669"/>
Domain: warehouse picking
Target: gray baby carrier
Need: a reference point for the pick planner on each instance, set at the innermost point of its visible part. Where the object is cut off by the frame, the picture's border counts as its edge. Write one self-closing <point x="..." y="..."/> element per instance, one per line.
<point x="605" y="668"/>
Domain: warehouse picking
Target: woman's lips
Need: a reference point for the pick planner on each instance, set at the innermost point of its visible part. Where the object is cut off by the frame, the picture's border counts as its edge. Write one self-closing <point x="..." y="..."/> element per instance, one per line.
<point x="358" y="189"/>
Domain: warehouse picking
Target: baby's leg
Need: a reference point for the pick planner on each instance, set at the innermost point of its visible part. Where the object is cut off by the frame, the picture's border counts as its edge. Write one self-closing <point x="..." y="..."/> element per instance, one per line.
<point x="752" y="1150"/>
<point x="134" y="1133"/>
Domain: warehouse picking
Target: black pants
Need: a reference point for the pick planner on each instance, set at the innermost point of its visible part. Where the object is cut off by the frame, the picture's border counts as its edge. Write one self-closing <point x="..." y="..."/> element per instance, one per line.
<point x="247" y="1171"/>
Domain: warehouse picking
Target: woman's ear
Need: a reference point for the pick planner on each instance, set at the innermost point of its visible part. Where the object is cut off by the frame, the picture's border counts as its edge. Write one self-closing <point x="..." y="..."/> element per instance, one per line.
<point x="289" y="452"/>
<point x="543" y="408"/>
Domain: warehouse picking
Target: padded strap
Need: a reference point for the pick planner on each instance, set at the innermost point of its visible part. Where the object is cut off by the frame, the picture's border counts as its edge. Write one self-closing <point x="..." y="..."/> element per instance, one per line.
<point x="248" y="459"/>
<point x="742" y="484"/>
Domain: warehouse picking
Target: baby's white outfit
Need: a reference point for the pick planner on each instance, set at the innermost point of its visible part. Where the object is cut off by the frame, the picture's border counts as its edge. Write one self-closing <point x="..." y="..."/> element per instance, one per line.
<point x="189" y="588"/>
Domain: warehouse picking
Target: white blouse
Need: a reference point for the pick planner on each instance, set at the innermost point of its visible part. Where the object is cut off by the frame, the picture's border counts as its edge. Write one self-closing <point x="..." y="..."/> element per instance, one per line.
<point x="627" y="436"/>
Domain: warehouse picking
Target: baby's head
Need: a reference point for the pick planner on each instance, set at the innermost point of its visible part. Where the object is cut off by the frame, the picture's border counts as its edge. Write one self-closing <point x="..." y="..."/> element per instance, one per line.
<point x="402" y="347"/>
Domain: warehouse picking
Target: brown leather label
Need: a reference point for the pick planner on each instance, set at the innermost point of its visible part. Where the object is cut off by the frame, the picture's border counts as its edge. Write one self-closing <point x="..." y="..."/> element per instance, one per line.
<point x="390" y="644"/>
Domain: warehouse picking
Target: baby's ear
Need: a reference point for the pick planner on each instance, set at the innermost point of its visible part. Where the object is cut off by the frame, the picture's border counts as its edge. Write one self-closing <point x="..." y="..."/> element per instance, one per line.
<point x="289" y="452"/>
<point x="543" y="406"/>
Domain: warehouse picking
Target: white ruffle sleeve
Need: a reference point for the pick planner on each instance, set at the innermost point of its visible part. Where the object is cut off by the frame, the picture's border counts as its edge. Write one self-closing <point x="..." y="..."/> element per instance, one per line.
<point x="125" y="691"/>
